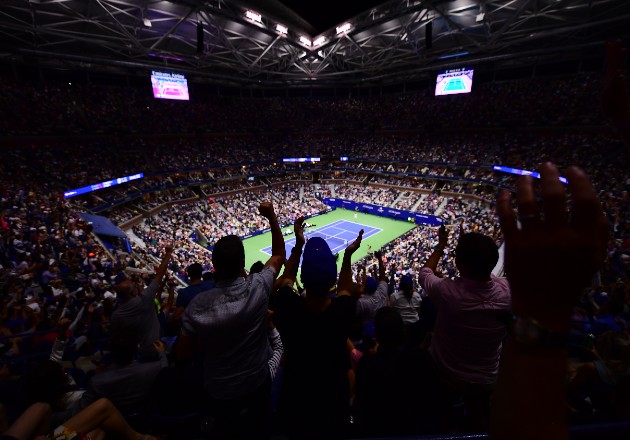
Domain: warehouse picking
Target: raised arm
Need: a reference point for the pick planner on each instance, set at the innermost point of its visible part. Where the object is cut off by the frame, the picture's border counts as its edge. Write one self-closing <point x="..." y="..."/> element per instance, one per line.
<point x="168" y="251"/>
<point x="346" y="286"/>
<point x="438" y="252"/>
<point x="549" y="260"/>
<point x="278" y="252"/>
<point x="381" y="266"/>
<point x="293" y="263"/>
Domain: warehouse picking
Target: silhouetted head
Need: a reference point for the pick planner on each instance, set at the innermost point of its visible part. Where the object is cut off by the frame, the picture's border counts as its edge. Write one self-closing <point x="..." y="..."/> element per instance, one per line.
<point x="125" y="290"/>
<point x="388" y="328"/>
<point x="476" y="255"/>
<point x="194" y="271"/>
<point x="406" y="285"/>
<point x="228" y="258"/>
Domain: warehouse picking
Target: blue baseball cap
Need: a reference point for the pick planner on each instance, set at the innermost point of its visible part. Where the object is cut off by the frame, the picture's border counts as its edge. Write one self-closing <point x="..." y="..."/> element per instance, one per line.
<point x="319" y="266"/>
<point x="370" y="285"/>
<point x="406" y="281"/>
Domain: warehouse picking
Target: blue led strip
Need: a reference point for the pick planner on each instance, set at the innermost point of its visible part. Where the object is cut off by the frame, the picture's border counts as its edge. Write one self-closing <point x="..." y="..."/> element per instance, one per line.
<point x="102" y="185"/>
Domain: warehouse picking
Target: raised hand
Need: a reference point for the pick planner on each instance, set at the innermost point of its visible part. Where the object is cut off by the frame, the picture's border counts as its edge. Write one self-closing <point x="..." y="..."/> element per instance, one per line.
<point x="355" y="244"/>
<point x="298" y="229"/>
<point x="266" y="210"/>
<point x="362" y="281"/>
<point x="552" y="256"/>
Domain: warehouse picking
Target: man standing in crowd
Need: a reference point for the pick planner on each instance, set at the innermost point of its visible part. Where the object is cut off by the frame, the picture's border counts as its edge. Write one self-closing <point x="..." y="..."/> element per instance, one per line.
<point x="471" y="324"/>
<point x="136" y="315"/>
<point x="314" y="399"/>
<point x="229" y="323"/>
<point x="195" y="287"/>
<point x="375" y="294"/>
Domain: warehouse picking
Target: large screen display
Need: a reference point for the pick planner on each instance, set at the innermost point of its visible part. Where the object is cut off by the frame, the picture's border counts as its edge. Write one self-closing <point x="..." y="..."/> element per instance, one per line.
<point x="169" y="86"/>
<point x="454" y="81"/>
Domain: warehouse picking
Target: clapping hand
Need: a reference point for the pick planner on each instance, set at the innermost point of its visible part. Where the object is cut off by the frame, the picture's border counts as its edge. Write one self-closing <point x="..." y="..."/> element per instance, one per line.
<point x="355" y="244"/>
<point x="298" y="229"/>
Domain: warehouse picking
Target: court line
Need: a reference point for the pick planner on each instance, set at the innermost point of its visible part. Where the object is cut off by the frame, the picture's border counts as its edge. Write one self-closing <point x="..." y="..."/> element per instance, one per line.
<point x="368" y="231"/>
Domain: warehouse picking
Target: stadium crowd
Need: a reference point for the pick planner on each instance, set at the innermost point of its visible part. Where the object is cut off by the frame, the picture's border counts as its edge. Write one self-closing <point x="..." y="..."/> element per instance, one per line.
<point x="82" y="318"/>
<point x="81" y="108"/>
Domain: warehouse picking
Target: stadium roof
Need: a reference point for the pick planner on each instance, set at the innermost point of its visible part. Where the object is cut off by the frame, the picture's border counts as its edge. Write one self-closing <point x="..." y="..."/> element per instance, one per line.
<point x="265" y="42"/>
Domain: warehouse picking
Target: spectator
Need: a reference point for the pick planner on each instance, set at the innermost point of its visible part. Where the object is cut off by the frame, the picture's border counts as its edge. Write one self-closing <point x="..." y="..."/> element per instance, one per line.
<point x="230" y="324"/>
<point x="126" y="383"/>
<point x="136" y="315"/>
<point x="407" y="303"/>
<point x="195" y="287"/>
<point x="395" y="387"/>
<point x="471" y="323"/>
<point x="315" y="329"/>
<point x="100" y="418"/>
<point x="564" y="252"/>
<point x="375" y="294"/>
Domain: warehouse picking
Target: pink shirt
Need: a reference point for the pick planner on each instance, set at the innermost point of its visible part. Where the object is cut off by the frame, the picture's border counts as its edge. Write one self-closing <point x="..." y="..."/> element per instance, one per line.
<point x="468" y="334"/>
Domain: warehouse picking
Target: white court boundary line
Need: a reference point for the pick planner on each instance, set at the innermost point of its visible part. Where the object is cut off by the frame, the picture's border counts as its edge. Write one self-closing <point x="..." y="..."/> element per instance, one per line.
<point x="336" y="249"/>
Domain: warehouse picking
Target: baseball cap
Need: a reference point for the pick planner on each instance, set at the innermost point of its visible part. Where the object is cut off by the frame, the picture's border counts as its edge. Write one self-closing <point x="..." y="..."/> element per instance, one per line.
<point x="406" y="281"/>
<point x="319" y="267"/>
<point x="370" y="285"/>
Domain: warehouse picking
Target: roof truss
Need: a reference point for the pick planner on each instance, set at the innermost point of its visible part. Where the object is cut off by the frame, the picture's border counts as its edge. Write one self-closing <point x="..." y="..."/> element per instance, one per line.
<point x="386" y="43"/>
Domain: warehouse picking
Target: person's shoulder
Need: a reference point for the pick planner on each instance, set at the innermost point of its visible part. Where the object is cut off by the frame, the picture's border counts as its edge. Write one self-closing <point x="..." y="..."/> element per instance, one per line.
<point x="397" y="294"/>
<point x="207" y="285"/>
<point x="203" y="299"/>
<point x="426" y="271"/>
<point x="288" y="295"/>
<point x="500" y="281"/>
<point x="266" y="276"/>
<point x="502" y="284"/>
<point x="185" y="290"/>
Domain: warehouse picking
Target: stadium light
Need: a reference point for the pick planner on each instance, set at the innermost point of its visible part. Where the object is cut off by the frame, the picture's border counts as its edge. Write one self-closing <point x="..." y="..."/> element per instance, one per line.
<point x="343" y="28"/>
<point x="319" y="41"/>
<point x="282" y="29"/>
<point x="253" y="16"/>
<point x="146" y="22"/>
<point x="305" y="41"/>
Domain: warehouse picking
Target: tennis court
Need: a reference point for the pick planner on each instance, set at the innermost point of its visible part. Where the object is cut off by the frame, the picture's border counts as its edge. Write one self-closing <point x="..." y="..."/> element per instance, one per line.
<point x="340" y="225"/>
<point x="455" y="84"/>
<point x="338" y="235"/>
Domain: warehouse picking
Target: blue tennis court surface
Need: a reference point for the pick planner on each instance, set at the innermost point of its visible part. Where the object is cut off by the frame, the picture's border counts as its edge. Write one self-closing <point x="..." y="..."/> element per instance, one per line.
<point x="338" y="235"/>
<point x="455" y="84"/>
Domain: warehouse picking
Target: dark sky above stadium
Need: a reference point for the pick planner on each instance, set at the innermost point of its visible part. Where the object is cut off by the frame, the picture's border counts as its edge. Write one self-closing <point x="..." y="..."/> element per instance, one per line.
<point x="324" y="14"/>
